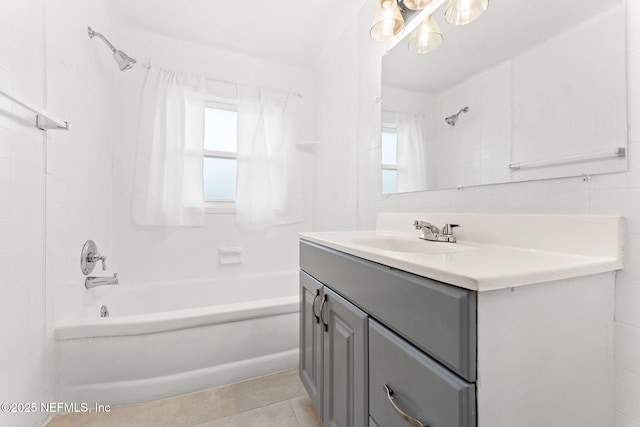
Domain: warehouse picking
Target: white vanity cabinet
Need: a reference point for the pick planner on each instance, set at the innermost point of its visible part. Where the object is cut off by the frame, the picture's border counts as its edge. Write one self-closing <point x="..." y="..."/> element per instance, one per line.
<point x="383" y="347"/>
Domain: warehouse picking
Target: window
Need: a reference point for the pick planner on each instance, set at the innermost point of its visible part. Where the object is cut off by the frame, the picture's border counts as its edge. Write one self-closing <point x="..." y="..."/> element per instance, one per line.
<point x="220" y="154"/>
<point x="389" y="160"/>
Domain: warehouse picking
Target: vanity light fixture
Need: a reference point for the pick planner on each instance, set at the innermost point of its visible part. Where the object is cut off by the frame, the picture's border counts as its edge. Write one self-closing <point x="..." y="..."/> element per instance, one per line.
<point x="417" y="4"/>
<point x="426" y="37"/>
<point x="387" y="22"/>
<point x="461" y="12"/>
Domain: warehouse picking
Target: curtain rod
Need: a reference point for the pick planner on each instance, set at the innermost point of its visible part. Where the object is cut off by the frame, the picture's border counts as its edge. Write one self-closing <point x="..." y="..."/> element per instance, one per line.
<point x="147" y="65"/>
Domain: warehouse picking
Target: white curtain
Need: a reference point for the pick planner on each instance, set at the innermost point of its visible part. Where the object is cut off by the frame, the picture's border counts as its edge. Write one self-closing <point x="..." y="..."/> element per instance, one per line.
<point x="168" y="184"/>
<point x="268" y="190"/>
<point x="412" y="172"/>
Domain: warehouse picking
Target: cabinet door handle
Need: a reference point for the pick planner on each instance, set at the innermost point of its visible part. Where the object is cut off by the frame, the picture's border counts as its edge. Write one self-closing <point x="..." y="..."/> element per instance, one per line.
<point x="313" y="306"/>
<point x="324" y="300"/>
<point x="408" y="418"/>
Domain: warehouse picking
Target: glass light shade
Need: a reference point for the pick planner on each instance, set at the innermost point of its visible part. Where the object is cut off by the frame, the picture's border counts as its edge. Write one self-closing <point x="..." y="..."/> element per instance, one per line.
<point x="417" y="4"/>
<point x="426" y="37"/>
<point x="461" y="12"/>
<point x="387" y="22"/>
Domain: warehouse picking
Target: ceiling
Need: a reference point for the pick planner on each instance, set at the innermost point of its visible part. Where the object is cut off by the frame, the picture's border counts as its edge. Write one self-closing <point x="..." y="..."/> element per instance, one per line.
<point x="291" y="32"/>
<point x="507" y="27"/>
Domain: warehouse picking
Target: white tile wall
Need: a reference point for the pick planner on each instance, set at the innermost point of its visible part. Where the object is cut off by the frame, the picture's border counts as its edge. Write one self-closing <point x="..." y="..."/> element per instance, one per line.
<point x="79" y="162"/>
<point x="78" y="181"/>
<point x="604" y="194"/>
<point x="23" y="355"/>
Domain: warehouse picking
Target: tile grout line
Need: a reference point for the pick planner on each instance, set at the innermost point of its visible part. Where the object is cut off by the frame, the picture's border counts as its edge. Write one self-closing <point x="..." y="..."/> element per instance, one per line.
<point x="295" y="414"/>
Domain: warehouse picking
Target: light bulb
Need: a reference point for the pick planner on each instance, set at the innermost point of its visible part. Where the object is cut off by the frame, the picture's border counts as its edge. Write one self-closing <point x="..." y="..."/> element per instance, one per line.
<point x="387" y="22"/>
<point x="426" y="37"/>
<point x="417" y="4"/>
<point x="461" y="12"/>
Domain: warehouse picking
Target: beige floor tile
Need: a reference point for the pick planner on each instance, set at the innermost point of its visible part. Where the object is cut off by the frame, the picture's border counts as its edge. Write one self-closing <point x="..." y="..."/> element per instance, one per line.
<point x="260" y="392"/>
<point x="202" y="407"/>
<point x="182" y="411"/>
<point x="277" y="415"/>
<point x="305" y="412"/>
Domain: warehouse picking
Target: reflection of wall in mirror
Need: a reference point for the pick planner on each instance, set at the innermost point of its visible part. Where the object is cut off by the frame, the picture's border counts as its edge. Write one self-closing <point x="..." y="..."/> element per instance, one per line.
<point x="564" y="97"/>
<point x="570" y="98"/>
<point x="475" y="150"/>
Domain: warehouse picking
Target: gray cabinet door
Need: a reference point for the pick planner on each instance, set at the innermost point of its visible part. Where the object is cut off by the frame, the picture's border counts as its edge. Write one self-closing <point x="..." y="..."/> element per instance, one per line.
<point x="311" y="336"/>
<point x="345" y="363"/>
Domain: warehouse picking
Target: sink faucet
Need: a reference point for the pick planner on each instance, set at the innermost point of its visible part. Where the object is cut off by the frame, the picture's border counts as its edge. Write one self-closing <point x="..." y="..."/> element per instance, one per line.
<point x="430" y="232"/>
<point x="92" y="282"/>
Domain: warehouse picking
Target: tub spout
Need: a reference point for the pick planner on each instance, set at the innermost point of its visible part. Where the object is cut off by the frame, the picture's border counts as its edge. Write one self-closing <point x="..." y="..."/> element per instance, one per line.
<point x="92" y="282"/>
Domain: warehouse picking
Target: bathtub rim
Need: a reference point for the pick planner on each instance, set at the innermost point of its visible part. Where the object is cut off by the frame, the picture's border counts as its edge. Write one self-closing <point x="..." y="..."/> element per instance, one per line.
<point x="165" y="321"/>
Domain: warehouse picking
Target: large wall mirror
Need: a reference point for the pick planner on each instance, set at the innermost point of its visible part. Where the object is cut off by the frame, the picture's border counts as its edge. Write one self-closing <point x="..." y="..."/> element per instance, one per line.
<point x="530" y="90"/>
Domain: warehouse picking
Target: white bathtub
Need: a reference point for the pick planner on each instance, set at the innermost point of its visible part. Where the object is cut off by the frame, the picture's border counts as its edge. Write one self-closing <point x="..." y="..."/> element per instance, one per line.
<point x="168" y="339"/>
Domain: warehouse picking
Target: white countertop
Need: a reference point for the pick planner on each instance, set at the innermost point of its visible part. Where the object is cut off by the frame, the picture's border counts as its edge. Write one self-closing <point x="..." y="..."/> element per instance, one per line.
<point x="484" y="266"/>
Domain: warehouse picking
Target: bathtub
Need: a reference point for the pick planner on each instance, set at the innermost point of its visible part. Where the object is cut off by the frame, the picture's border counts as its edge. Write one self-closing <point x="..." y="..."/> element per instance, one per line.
<point x="167" y="339"/>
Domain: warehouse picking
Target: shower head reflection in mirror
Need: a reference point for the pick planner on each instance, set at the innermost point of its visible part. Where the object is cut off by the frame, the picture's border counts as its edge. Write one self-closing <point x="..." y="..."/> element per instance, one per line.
<point x="452" y="119"/>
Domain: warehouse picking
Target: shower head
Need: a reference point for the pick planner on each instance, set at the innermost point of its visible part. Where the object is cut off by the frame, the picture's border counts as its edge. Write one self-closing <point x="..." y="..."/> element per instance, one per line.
<point x="124" y="61"/>
<point x="451" y="120"/>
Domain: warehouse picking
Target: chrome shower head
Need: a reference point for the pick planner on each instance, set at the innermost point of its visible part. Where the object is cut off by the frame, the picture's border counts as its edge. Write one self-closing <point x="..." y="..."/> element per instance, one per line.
<point x="124" y="61"/>
<point x="451" y="120"/>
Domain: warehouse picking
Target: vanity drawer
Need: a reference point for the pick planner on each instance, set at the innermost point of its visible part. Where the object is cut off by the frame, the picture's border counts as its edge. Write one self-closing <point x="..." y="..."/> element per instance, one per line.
<point x="438" y="318"/>
<point x="421" y="388"/>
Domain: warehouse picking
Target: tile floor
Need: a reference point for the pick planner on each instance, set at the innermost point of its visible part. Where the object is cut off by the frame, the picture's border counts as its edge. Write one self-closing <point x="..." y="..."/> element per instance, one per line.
<point x="277" y="400"/>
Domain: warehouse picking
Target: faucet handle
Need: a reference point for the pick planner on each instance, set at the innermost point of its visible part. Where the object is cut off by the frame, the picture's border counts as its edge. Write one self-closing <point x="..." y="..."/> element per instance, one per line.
<point x="97" y="257"/>
<point x="447" y="230"/>
<point x="419" y="224"/>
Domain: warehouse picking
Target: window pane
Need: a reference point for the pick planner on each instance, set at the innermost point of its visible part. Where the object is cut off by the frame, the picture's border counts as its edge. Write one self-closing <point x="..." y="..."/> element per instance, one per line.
<point x="220" y="130"/>
<point x="389" y="148"/>
<point x="389" y="181"/>
<point x="220" y="178"/>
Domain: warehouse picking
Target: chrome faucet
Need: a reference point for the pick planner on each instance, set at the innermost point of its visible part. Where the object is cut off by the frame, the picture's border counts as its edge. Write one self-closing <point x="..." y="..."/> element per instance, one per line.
<point x="92" y="282"/>
<point x="430" y="232"/>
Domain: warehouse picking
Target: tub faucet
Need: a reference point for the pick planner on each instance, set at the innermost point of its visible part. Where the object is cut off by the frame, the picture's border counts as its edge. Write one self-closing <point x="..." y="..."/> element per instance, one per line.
<point x="430" y="232"/>
<point x="92" y="282"/>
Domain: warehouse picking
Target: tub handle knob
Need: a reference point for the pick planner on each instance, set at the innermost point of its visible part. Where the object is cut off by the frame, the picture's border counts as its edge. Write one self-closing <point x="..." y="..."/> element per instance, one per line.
<point x="97" y="257"/>
<point x="89" y="256"/>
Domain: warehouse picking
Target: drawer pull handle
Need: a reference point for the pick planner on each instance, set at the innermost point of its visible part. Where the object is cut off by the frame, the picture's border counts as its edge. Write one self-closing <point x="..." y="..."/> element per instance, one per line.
<point x="324" y="300"/>
<point x="408" y="418"/>
<point x="313" y="306"/>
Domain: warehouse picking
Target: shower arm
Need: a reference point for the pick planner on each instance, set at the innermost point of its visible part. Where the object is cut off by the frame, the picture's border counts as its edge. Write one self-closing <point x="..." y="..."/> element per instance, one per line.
<point x="93" y="34"/>
<point x="463" y="110"/>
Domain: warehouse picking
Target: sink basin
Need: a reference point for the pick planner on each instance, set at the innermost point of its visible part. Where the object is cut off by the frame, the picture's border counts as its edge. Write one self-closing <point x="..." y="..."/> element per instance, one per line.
<point x="410" y="245"/>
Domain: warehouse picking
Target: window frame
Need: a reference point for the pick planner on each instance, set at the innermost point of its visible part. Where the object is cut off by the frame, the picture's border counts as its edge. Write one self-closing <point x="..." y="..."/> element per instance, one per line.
<point x="219" y="206"/>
